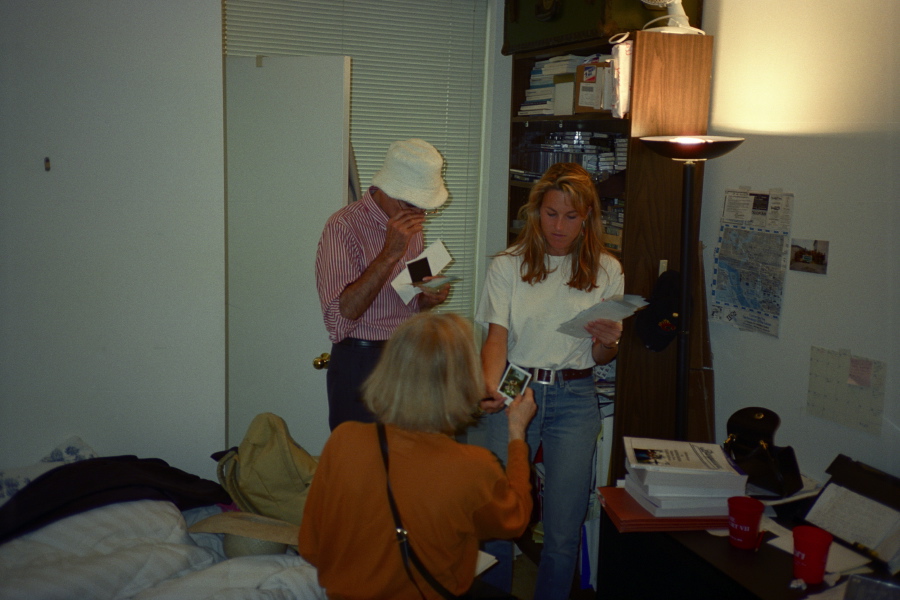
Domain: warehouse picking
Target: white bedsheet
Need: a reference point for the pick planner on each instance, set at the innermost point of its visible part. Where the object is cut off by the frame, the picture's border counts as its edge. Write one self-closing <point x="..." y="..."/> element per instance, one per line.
<point x="142" y="550"/>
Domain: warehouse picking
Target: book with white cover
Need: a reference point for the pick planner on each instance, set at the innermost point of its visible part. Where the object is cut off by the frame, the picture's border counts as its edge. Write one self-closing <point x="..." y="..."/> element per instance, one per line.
<point x="735" y="487"/>
<point x="671" y="455"/>
<point x="672" y="462"/>
<point x="698" y="479"/>
<point x="715" y="507"/>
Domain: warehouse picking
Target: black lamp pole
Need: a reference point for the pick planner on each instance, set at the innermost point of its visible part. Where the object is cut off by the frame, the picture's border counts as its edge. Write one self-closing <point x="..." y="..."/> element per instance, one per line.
<point x="683" y="367"/>
<point x="687" y="150"/>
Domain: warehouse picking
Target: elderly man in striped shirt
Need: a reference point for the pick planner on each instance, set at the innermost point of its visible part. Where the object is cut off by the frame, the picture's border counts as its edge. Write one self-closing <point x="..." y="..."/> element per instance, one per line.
<point x="363" y="247"/>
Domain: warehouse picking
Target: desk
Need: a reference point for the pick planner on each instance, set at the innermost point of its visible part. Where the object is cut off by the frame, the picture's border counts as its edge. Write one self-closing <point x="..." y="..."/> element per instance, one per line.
<point x="689" y="565"/>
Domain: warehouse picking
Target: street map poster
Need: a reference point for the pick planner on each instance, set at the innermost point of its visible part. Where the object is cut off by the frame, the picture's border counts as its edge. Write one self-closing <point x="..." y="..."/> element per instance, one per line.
<point x="751" y="259"/>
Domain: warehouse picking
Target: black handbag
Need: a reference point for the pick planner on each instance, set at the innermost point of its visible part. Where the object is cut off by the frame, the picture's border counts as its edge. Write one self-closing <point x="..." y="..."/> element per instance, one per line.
<point x="751" y="444"/>
<point x="479" y="588"/>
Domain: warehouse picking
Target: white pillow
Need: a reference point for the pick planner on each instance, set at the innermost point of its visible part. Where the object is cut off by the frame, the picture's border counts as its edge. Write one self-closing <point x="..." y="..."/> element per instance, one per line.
<point x="13" y="480"/>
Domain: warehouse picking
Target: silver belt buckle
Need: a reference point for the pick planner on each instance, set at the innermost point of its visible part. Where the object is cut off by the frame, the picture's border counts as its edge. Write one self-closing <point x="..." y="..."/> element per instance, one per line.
<point x="538" y="373"/>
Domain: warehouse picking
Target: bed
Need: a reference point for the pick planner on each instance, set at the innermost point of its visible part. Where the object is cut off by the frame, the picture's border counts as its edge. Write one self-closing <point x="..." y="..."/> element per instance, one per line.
<point x="79" y="526"/>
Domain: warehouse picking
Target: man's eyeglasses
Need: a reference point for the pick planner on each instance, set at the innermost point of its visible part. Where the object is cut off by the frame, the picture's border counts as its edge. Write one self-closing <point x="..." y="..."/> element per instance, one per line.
<point x="407" y="206"/>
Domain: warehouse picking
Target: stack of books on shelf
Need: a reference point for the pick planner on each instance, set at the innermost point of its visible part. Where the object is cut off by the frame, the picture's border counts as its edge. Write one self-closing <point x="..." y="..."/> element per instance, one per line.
<point x="542" y="90"/>
<point x="681" y="479"/>
<point x="613" y="210"/>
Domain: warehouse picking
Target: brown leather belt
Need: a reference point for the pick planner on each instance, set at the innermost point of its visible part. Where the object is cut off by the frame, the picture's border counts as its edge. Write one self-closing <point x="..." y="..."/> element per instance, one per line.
<point x="548" y="376"/>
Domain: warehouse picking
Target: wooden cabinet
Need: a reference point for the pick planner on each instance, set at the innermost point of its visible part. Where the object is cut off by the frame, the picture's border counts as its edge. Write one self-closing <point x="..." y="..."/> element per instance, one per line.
<point x="670" y="90"/>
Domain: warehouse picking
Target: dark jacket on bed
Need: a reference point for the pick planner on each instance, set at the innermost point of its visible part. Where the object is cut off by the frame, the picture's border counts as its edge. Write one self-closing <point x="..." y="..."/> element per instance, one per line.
<point x="83" y="485"/>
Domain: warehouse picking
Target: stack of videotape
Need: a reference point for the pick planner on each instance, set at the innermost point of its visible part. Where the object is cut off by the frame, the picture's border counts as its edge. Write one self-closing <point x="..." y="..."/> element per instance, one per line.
<point x="613" y="210"/>
<point x="597" y="152"/>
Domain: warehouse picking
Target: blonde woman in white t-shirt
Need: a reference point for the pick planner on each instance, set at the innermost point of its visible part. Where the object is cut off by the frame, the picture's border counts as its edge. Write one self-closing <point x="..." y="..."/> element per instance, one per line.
<point x="557" y="267"/>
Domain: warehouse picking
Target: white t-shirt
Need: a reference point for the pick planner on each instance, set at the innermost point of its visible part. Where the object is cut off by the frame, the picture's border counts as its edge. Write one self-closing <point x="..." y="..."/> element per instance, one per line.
<point x="533" y="313"/>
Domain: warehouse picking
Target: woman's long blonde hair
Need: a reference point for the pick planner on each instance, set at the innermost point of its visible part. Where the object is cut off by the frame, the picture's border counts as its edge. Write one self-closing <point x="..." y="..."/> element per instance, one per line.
<point x="429" y="377"/>
<point x="587" y="250"/>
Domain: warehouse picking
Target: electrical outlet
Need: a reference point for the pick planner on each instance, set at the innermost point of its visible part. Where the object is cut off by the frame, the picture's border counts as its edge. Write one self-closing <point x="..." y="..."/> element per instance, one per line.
<point x="663" y="266"/>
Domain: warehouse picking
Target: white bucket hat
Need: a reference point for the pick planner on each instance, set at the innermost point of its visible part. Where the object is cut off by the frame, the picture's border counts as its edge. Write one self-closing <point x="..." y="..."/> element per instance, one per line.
<point x="412" y="173"/>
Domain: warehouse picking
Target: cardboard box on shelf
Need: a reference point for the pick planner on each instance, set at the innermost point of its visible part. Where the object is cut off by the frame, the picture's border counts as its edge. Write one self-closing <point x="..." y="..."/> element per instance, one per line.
<point x="590" y="82"/>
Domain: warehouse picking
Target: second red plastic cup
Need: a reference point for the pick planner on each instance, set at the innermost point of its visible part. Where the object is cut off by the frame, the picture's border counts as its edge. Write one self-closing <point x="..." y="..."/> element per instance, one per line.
<point x="811" y="546"/>
<point x="744" y="514"/>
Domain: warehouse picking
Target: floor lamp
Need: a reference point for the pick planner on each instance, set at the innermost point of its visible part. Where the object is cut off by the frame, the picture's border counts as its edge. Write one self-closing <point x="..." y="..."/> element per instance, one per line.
<point x="688" y="150"/>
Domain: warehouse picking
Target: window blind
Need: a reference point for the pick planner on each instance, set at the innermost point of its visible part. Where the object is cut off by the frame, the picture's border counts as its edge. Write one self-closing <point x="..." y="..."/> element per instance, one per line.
<point x="417" y="70"/>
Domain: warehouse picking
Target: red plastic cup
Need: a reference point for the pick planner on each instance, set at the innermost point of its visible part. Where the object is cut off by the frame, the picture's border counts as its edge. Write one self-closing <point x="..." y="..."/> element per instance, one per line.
<point x="744" y="514"/>
<point x="811" y="546"/>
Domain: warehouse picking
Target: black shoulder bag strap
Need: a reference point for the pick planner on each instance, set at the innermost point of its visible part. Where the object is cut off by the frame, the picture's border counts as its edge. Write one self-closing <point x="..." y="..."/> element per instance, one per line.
<point x="406" y="550"/>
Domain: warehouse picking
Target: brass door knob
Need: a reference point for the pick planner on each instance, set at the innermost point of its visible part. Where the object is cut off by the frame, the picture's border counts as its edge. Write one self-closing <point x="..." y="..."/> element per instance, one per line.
<point x="322" y="361"/>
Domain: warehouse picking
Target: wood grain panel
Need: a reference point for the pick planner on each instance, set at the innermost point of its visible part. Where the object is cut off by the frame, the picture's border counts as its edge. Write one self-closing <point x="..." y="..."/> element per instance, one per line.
<point x="670" y="96"/>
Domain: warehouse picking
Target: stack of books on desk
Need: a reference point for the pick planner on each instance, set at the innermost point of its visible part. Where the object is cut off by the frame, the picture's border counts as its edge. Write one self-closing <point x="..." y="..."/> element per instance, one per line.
<point x="681" y="479"/>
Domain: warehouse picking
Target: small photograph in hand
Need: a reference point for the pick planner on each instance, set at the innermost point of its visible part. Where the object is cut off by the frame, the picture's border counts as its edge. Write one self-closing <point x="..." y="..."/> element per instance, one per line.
<point x="419" y="269"/>
<point x="514" y="382"/>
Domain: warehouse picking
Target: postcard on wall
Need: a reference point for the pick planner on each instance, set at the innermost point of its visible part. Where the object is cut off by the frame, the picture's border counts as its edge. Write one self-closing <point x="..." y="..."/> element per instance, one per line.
<point x="809" y="256"/>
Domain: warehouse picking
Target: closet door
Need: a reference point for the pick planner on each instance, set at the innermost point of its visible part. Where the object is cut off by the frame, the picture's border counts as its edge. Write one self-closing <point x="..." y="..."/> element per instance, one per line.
<point x="287" y="151"/>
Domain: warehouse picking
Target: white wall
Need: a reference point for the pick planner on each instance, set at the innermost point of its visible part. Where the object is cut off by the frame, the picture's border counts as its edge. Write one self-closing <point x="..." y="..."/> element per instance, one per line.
<point x="497" y="89"/>
<point x="112" y="263"/>
<point x="813" y="88"/>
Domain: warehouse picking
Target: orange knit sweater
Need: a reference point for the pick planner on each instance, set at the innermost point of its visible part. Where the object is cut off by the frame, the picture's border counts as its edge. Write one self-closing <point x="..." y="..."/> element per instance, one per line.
<point x="449" y="496"/>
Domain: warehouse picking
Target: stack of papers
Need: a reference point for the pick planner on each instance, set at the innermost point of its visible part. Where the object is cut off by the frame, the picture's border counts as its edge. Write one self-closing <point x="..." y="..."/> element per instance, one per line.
<point x="616" y="308"/>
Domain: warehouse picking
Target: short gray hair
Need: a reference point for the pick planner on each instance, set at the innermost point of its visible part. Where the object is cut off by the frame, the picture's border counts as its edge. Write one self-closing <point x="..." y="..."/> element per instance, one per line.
<point x="429" y="376"/>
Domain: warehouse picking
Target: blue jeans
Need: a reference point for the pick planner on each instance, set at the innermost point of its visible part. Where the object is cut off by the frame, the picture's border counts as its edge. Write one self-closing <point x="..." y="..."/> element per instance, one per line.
<point x="566" y="426"/>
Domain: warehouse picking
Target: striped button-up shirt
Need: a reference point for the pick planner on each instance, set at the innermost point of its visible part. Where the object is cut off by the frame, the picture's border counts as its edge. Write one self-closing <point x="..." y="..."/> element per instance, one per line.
<point x="352" y="238"/>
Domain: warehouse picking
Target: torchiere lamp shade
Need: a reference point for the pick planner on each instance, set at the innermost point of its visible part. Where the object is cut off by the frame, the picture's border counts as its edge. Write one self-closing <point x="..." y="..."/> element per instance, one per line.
<point x="692" y="148"/>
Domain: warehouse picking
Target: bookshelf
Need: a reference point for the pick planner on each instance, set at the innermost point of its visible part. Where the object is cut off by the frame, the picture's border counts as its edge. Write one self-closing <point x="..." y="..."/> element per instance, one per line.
<point x="670" y="90"/>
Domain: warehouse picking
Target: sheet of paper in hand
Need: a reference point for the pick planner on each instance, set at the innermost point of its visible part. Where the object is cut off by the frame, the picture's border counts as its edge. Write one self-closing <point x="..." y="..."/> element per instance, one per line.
<point x="616" y="308"/>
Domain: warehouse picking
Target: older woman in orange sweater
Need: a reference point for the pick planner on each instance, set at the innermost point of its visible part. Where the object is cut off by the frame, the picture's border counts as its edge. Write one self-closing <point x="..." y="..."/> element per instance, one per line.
<point x="450" y="496"/>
